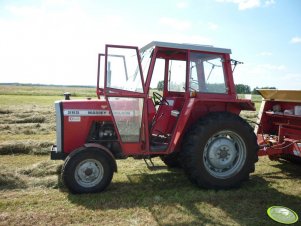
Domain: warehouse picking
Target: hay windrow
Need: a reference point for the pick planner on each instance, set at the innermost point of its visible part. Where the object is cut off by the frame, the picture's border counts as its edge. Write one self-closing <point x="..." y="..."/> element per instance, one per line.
<point x="10" y="179"/>
<point x="42" y="169"/>
<point x="25" y="147"/>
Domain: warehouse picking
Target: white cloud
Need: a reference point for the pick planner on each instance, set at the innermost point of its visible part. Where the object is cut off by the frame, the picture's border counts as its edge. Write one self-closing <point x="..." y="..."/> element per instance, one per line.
<point x="57" y="45"/>
<point x="194" y="39"/>
<point x="284" y="80"/>
<point x="249" y="4"/>
<point x="269" y="3"/>
<point x="271" y="67"/>
<point x="212" y="26"/>
<point x="24" y="11"/>
<point x="176" y="37"/>
<point x="261" y="75"/>
<point x="180" y="25"/>
<point x="265" y="53"/>
<point x="296" y="40"/>
<point x="182" y="5"/>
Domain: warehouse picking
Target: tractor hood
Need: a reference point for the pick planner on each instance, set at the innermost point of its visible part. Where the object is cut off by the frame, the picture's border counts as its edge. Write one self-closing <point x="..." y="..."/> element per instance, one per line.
<point x="281" y="95"/>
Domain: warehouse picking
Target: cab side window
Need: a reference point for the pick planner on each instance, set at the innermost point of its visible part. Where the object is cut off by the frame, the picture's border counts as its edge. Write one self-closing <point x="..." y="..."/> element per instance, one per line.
<point x="176" y="75"/>
<point x="207" y="73"/>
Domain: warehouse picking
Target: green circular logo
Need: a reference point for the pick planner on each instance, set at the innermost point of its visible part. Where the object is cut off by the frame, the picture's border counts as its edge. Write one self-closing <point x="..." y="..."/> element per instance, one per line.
<point x="282" y="214"/>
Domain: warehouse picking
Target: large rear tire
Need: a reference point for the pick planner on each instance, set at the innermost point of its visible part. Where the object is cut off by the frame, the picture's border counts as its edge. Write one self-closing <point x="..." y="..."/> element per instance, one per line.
<point x="87" y="171"/>
<point x="220" y="151"/>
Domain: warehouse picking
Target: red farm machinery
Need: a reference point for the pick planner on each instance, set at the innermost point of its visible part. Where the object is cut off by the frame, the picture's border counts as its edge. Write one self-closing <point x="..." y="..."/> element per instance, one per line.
<point x="192" y="122"/>
<point x="279" y="128"/>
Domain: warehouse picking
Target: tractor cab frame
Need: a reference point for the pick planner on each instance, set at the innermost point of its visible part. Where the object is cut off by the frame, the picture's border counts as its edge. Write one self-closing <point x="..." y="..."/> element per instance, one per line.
<point x="189" y="75"/>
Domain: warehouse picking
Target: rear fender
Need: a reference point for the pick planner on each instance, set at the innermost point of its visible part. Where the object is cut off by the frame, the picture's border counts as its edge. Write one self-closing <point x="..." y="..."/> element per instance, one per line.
<point x="245" y="104"/>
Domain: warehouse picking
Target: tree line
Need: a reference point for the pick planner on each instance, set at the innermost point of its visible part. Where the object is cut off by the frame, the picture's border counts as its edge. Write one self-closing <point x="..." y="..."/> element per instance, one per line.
<point x="240" y="88"/>
<point x="245" y="89"/>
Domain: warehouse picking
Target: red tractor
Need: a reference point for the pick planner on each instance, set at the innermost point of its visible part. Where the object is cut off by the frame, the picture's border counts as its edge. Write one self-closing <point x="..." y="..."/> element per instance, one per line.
<point x="192" y="122"/>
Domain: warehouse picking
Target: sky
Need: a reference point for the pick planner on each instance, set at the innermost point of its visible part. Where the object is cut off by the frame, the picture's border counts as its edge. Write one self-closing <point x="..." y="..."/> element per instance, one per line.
<point x="57" y="41"/>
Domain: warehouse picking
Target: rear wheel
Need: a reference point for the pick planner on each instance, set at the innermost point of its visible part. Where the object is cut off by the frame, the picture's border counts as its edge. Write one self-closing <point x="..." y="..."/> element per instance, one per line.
<point x="87" y="171"/>
<point x="220" y="151"/>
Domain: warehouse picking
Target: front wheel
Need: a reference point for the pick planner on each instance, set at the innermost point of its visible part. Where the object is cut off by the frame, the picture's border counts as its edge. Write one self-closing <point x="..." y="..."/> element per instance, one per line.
<point x="220" y="151"/>
<point x="88" y="171"/>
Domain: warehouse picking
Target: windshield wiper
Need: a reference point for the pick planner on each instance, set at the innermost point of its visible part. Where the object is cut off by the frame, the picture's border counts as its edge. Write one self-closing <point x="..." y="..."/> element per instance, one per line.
<point x="213" y="66"/>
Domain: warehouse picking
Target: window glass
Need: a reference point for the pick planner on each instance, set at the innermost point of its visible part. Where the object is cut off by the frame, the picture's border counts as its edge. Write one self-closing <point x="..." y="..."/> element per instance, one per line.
<point x="158" y="75"/>
<point x="101" y="71"/>
<point x="145" y="60"/>
<point x="177" y="75"/>
<point x="127" y="112"/>
<point x="122" y="70"/>
<point x="207" y="73"/>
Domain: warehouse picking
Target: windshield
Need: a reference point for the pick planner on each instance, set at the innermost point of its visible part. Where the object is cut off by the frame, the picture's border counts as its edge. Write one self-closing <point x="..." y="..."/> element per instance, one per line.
<point x="146" y="57"/>
<point x="123" y="70"/>
<point x="207" y="73"/>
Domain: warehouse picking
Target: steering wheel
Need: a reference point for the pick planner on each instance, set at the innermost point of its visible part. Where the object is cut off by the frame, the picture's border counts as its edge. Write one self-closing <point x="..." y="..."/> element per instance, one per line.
<point x="159" y="99"/>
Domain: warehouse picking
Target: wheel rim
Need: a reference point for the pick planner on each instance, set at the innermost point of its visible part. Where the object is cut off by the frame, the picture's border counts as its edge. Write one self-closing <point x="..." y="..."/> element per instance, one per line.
<point x="224" y="154"/>
<point x="89" y="173"/>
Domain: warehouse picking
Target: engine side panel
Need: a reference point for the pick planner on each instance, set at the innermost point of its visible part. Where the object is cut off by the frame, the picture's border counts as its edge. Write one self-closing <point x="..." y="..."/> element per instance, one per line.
<point x="78" y="117"/>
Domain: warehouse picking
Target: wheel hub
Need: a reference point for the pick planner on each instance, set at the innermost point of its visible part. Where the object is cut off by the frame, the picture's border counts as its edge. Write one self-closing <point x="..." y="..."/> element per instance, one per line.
<point x="89" y="172"/>
<point x="224" y="154"/>
<point x="221" y="153"/>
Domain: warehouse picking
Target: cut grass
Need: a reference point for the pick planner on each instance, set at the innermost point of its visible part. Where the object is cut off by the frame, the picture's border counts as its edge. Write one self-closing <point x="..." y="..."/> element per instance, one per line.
<point x="10" y="180"/>
<point x="25" y="147"/>
<point x="27" y="129"/>
<point x="42" y="169"/>
<point x="31" y="192"/>
<point x="138" y="196"/>
<point x="28" y="125"/>
<point x="36" y="90"/>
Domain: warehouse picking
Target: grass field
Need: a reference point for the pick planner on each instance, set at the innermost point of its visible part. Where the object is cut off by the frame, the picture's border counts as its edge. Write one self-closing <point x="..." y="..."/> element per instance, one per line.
<point x="31" y="192"/>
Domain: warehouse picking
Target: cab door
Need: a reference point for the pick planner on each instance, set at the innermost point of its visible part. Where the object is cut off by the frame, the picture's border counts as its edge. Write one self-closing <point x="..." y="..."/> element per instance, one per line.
<point x="124" y="91"/>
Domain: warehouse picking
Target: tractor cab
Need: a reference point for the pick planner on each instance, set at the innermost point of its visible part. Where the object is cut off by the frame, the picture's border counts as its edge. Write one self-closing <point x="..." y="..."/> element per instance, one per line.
<point x="151" y="91"/>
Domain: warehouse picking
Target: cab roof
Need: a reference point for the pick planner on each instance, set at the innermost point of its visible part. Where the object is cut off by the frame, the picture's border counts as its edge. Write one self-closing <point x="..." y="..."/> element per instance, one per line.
<point x="185" y="46"/>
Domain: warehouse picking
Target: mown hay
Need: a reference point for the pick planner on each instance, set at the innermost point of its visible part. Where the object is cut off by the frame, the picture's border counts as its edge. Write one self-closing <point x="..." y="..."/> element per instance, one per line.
<point x="5" y="111"/>
<point x="10" y="180"/>
<point x="7" y="148"/>
<point x="25" y="147"/>
<point x="42" y="169"/>
<point x="31" y="119"/>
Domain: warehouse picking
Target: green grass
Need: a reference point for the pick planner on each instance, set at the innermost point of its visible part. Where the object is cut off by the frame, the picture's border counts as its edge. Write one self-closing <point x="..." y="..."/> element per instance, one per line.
<point x="31" y="191"/>
<point x="34" y="194"/>
<point x="46" y="90"/>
